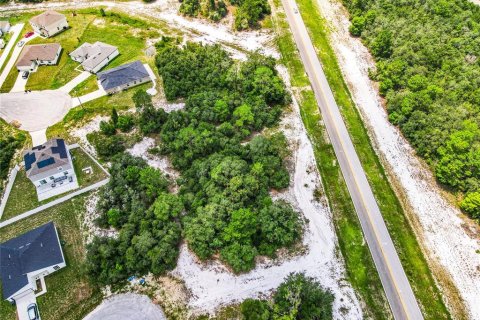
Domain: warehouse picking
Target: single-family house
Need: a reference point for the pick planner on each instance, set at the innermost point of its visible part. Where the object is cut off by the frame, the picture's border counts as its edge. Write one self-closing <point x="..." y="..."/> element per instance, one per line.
<point x="35" y="55"/>
<point x="49" y="23"/>
<point x="4" y="26"/>
<point x="50" y="168"/>
<point x="28" y="258"/>
<point x="123" y="77"/>
<point x="94" y="57"/>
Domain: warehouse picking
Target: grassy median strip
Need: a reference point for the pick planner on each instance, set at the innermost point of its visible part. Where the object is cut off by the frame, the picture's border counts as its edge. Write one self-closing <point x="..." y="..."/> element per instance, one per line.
<point x="360" y="268"/>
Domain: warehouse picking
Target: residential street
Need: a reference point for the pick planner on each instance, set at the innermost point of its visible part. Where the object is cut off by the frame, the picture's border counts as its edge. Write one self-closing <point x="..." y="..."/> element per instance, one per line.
<point x="127" y="306"/>
<point x="35" y="110"/>
<point x="399" y="293"/>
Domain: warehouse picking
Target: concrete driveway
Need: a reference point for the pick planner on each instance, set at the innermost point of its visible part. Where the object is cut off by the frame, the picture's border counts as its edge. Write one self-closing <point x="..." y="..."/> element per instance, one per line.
<point x="36" y="110"/>
<point x="13" y="58"/>
<point x="23" y="303"/>
<point x="128" y="306"/>
<point x="20" y="84"/>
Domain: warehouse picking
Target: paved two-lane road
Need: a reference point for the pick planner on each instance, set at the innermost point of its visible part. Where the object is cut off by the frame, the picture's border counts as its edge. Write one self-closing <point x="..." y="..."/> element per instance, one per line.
<point x="395" y="283"/>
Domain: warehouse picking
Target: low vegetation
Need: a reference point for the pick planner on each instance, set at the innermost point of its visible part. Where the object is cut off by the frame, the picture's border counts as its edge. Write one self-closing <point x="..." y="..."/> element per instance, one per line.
<point x="427" y="69"/>
<point x="11" y="140"/>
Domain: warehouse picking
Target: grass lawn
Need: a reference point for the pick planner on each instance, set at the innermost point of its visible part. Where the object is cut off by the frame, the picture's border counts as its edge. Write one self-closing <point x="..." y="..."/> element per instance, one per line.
<point x="360" y="268"/>
<point x="23" y="196"/>
<point x="70" y="295"/>
<point x="87" y="86"/>
<point x="127" y="33"/>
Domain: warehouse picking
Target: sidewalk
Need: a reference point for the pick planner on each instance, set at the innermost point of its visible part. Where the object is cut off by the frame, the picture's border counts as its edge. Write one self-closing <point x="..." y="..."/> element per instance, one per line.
<point x="16" y="29"/>
<point x="20" y="83"/>
<point x="75" y="82"/>
<point x="88" y="97"/>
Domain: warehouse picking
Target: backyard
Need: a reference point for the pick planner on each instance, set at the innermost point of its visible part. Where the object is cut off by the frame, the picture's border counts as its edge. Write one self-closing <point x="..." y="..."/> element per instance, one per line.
<point x="23" y="196"/>
<point x="70" y="294"/>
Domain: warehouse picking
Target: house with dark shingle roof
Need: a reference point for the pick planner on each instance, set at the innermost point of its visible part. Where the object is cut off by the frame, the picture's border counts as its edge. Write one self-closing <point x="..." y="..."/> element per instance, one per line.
<point x="28" y="258"/>
<point x="49" y="23"/>
<point x="123" y="77"/>
<point x="50" y="168"/>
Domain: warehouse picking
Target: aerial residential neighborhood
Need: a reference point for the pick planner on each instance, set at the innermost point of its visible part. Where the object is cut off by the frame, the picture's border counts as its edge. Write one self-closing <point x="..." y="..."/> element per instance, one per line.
<point x="292" y="159"/>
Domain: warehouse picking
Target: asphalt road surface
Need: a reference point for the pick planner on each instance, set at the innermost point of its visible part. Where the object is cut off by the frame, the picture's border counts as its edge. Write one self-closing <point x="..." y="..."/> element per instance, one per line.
<point x="395" y="283"/>
<point x="127" y="306"/>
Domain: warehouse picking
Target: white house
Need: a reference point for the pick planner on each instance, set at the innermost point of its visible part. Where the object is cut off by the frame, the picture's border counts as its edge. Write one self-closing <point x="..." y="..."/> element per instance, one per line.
<point x="4" y="26"/>
<point x="28" y="258"/>
<point x="50" y="168"/>
<point x="49" y="23"/>
<point x="35" y="55"/>
<point x="93" y="57"/>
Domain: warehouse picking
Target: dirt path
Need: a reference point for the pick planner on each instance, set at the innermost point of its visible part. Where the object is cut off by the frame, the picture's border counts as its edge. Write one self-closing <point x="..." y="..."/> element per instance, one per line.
<point x="449" y="240"/>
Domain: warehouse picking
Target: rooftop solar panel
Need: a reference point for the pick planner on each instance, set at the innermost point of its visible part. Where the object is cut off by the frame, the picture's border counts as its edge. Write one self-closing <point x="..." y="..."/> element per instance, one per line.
<point x="60" y="149"/>
<point x="29" y="159"/>
<point x="46" y="162"/>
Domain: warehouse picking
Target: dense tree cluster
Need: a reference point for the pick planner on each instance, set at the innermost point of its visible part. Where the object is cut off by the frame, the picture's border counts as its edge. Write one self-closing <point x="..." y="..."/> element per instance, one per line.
<point x="227" y="169"/>
<point x="248" y="14"/>
<point x="298" y="297"/>
<point x="135" y="202"/>
<point x="8" y="146"/>
<point x="106" y="141"/>
<point x="428" y="70"/>
<point x="225" y="182"/>
<point x="211" y="9"/>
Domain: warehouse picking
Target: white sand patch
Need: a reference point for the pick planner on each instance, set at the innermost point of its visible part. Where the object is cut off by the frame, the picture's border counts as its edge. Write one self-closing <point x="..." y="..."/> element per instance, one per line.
<point x="212" y="285"/>
<point x="81" y="132"/>
<point x="91" y="214"/>
<point x="169" y="107"/>
<point x="162" y="163"/>
<point x="441" y="222"/>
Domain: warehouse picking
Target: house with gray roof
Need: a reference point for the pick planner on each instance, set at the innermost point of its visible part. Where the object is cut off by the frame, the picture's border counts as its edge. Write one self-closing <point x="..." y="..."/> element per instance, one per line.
<point x="50" y="168"/>
<point x="94" y="57"/>
<point x="28" y="258"/>
<point x="123" y="77"/>
<point x="49" y="23"/>
<point x="4" y="26"/>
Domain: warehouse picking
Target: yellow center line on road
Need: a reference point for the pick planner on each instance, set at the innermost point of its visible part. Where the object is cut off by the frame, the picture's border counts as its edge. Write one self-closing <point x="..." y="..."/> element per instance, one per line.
<point x="362" y="197"/>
